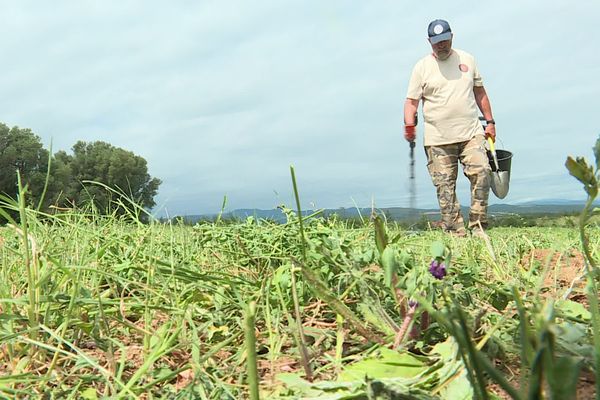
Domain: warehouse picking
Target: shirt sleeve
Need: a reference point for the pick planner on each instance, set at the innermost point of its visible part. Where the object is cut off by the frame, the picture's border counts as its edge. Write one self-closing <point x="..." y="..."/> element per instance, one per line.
<point x="477" y="80"/>
<point x="415" y="85"/>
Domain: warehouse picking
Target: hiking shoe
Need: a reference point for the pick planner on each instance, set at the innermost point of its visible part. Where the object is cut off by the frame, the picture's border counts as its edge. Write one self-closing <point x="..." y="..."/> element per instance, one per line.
<point x="460" y="232"/>
<point x="478" y="232"/>
<point x="457" y="233"/>
<point x="436" y="225"/>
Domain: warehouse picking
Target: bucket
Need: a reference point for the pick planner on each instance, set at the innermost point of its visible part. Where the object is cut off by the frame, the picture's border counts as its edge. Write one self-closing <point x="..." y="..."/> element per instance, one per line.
<point x="500" y="178"/>
<point x="504" y="158"/>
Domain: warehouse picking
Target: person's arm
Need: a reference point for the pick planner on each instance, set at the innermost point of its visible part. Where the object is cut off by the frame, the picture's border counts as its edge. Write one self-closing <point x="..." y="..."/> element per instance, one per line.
<point x="483" y="102"/>
<point x="410" y="119"/>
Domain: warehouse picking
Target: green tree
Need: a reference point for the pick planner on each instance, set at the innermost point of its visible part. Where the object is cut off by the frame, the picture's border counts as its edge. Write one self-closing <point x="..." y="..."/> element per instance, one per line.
<point x="115" y="167"/>
<point x="21" y="150"/>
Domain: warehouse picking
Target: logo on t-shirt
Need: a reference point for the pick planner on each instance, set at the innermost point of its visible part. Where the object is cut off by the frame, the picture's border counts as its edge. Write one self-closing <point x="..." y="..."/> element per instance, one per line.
<point x="463" y="67"/>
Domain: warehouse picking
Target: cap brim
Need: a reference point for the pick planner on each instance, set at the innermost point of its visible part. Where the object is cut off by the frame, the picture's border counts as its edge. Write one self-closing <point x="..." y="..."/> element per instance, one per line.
<point x="441" y="37"/>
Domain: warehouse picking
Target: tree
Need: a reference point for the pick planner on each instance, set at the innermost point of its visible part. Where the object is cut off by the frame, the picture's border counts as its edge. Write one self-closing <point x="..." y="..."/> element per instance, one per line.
<point x="117" y="168"/>
<point x="21" y="150"/>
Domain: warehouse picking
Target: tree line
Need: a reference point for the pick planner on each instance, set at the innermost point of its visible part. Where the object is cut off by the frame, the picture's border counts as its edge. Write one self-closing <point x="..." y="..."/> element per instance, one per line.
<point x="61" y="179"/>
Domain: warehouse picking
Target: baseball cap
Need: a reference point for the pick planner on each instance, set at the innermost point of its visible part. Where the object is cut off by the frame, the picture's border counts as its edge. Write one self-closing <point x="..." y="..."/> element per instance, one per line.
<point x="439" y="30"/>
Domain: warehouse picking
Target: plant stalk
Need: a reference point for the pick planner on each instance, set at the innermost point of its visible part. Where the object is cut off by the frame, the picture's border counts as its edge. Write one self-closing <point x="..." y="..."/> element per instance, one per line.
<point x="250" y="339"/>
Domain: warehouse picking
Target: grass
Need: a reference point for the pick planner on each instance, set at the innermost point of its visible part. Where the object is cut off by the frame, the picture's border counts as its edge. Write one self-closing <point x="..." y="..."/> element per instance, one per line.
<point x="105" y="307"/>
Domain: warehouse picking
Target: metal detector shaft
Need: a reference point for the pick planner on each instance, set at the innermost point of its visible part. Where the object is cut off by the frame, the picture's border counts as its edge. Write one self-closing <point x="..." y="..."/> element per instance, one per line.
<point x="412" y="160"/>
<point x="412" y="175"/>
<point x="412" y="186"/>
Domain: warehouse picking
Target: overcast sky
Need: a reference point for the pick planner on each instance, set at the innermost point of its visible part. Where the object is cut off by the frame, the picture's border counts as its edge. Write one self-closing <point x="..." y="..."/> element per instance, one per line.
<point x="221" y="97"/>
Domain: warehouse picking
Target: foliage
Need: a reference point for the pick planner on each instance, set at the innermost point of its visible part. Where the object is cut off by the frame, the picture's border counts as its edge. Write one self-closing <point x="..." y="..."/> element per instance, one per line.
<point x="115" y="308"/>
<point x="21" y="150"/>
<point x="112" y="166"/>
<point x="95" y="306"/>
<point x="73" y="179"/>
<point x="589" y="176"/>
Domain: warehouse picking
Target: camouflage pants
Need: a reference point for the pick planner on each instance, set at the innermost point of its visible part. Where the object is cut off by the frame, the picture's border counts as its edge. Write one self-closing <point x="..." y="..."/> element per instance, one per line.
<point x="442" y="163"/>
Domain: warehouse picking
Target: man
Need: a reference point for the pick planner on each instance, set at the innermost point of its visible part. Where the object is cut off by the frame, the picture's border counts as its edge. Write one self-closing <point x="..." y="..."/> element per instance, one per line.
<point x="449" y="84"/>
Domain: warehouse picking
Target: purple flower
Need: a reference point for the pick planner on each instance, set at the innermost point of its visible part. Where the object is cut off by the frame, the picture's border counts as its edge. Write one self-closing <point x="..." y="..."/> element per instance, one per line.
<point x="413" y="303"/>
<point x="437" y="269"/>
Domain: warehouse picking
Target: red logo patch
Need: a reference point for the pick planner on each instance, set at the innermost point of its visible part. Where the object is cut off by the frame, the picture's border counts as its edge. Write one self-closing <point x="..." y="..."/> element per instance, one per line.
<point x="463" y="67"/>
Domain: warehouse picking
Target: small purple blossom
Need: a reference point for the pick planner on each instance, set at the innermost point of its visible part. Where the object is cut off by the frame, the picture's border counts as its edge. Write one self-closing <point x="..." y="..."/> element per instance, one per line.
<point x="437" y="269"/>
<point x="413" y="303"/>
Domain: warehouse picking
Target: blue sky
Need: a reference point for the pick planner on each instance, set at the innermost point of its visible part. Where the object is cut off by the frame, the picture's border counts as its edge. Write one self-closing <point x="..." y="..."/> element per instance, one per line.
<point x="221" y="97"/>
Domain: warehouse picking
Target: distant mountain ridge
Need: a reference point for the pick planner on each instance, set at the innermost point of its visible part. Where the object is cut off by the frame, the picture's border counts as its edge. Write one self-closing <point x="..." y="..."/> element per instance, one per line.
<point x="401" y="213"/>
<point x="542" y="202"/>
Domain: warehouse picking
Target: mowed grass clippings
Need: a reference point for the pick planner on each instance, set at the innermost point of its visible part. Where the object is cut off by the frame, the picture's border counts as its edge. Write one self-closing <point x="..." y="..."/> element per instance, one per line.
<point x="114" y="308"/>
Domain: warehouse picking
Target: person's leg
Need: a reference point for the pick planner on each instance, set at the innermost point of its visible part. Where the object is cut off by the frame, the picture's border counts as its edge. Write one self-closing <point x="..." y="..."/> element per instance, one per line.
<point x="442" y="164"/>
<point x="476" y="167"/>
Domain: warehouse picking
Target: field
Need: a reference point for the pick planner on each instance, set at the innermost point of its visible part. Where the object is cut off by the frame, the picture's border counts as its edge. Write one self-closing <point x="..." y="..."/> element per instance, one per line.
<point x="103" y="307"/>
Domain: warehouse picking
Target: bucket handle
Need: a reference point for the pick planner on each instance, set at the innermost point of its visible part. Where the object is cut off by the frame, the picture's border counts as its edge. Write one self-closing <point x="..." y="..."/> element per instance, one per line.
<point x="501" y="142"/>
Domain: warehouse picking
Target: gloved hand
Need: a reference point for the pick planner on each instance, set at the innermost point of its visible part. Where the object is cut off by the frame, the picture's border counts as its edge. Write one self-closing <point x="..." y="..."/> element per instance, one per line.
<point x="410" y="132"/>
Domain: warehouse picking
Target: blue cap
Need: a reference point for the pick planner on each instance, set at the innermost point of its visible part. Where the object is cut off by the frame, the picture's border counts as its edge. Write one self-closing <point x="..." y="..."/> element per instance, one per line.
<point x="438" y="31"/>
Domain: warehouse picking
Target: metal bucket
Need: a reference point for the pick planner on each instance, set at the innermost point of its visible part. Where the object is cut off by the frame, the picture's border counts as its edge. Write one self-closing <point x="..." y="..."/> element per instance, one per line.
<point x="504" y="159"/>
<point x="500" y="177"/>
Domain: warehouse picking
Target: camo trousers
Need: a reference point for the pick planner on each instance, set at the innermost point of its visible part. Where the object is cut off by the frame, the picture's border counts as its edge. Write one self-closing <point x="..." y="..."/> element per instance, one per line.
<point x="442" y="163"/>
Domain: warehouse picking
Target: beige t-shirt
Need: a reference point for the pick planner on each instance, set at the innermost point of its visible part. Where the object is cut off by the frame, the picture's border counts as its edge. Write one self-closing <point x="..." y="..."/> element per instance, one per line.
<point x="446" y="87"/>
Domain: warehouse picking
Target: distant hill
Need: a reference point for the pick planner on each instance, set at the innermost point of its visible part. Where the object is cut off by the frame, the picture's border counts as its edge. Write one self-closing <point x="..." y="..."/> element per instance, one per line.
<point x="544" y="202"/>
<point x="552" y="207"/>
<point x="530" y="208"/>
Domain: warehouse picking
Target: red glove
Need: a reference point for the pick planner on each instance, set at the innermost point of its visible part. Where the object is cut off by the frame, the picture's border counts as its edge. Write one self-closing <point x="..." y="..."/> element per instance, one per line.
<point x="410" y="132"/>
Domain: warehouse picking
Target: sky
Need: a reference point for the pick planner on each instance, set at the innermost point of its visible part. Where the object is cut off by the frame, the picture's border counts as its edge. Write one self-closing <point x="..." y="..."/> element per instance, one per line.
<point x="222" y="97"/>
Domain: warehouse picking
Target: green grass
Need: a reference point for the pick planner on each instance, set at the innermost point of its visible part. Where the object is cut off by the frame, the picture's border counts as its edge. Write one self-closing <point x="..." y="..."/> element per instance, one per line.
<point x="106" y="307"/>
